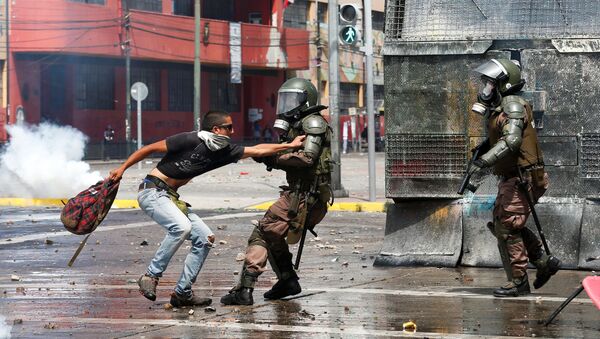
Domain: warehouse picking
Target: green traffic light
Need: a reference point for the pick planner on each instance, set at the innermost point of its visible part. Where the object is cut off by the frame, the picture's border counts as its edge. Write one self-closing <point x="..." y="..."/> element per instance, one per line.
<point x="349" y="35"/>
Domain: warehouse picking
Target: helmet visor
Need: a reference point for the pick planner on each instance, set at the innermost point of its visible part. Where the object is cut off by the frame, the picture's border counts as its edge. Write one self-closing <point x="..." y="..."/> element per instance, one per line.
<point x="491" y="69"/>
<point x="290" y="100"/>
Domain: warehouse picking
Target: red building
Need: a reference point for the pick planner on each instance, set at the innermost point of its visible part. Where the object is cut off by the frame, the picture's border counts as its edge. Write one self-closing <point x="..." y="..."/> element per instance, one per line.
<point x="66" y="63"/>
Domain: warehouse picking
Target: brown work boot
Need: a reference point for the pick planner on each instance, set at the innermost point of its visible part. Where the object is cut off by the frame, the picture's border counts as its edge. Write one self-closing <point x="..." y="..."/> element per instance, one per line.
<point x="514" y="288"/>
<point x="147" y="286"/>
<point x="180" y="301"/>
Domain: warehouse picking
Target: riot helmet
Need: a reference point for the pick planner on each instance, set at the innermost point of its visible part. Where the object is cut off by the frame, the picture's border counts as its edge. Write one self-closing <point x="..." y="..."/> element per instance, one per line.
<point x="295" y="96"/>
<point x="499" y="77"/>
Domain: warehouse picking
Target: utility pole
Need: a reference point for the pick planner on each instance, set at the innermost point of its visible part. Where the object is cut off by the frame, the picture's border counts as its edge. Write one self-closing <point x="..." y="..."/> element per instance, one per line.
<point x="197" y="66"/>
<point x="334" y="89"/>
<point x="127" y="47"/>
<point x="370" y="108"/>
<point x="7" y="63"/>
<point x="319" y="51"/>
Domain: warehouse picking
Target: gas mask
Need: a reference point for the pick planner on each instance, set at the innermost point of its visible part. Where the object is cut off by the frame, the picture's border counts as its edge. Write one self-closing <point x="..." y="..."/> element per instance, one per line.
<point x="488" y="97"/>
<point x="290" y="105"/>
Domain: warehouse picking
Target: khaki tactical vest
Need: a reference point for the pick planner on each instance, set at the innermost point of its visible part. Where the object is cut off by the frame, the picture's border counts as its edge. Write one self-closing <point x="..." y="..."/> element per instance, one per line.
<point x="529" y="154"/>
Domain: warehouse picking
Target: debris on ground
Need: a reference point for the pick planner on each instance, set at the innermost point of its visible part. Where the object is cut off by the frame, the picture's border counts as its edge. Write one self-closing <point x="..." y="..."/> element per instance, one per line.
<point x="15" y="277"/>
<point x="223" y="242"/>
<point x="222" y="227"/>
<point x="335" y="259"/>
<point x="191" y="312"/>
<point x="49" y="242"/>
<point x="20" y="290"/>
<point x="210" y="309"/>
<point x="131" y="281"/>
<point x="236" y="272"/>
<point x="305" y="314"/>
<point x="144" y="243"/>
<point x="345" y="263"/>
<point x="409" y="326"/>
<point x="240" y="257"/>
<point x="167" y="306"/>
<point x="18" y="321"/>
<point x="50" y="326"/>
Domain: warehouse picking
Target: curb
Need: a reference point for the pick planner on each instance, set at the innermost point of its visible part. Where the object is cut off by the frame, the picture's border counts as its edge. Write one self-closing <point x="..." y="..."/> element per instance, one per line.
<point x="27" y="202"/>
<point x="338" y="206"/>
<point x="130" y="203"/>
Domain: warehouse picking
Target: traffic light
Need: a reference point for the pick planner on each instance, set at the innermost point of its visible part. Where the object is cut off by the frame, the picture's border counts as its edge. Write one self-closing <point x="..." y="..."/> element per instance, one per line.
<point x="349" y="24"/>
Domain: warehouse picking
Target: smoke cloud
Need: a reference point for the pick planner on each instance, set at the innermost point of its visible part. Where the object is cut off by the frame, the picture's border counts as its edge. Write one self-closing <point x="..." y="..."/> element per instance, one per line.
<point x="44" y="161"/>
<point x="4" y="328"/>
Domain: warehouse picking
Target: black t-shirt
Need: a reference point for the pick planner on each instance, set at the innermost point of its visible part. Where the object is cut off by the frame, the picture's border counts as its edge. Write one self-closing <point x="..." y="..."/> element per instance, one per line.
<point x="187" y="156"/>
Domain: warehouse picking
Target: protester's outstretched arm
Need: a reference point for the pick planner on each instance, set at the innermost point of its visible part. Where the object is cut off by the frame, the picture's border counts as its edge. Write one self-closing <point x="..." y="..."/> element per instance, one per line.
<point x="263" y="150"/>
<point x="139" y="155"/>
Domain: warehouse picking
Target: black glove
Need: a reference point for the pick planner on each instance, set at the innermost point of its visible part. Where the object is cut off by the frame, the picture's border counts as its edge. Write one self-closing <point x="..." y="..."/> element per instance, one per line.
<point x="476" y="166"/>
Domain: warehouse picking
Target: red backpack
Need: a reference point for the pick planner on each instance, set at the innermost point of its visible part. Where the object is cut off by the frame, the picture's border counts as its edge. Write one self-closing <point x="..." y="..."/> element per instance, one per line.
<point x="83" y="213"/>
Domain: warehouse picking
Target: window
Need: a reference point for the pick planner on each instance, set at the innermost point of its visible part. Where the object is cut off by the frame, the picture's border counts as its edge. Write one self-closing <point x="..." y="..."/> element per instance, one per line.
<point x="181" y="90"/>
<point x="145" y="5"/>
<point x="94" y="87"/>
<point x="294" y="15"/>
<point x="348" y="96"/>
<point x="151" y="78"/>
<point x="183" y="7"/>
<point x="323" y="13"/>
<point x="96" y="2"/>
<point x="218" y="10"/>
<point x="378" y="96"/>
<point x="377" y="20"/>
<point x="223" y="94"/>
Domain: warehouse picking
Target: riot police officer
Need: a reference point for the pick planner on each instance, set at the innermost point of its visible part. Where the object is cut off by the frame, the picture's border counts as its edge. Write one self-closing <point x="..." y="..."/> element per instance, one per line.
<point x="302" y="203"/>
<point x="515" y="154"/>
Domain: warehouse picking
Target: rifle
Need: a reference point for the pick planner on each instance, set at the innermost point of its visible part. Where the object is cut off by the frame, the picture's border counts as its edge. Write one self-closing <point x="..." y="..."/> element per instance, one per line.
<point x="466" y="181"/>
<point x="313" y="193"/>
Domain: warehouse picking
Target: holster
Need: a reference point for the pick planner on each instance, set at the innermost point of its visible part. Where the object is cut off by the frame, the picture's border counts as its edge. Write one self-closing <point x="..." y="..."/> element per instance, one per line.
<point x="294" y="203"/>
<point x="537" y="176"/>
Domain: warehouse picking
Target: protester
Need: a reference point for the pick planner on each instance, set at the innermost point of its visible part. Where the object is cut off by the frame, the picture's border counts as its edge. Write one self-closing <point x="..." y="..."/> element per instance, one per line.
<point x="188" y="155"/>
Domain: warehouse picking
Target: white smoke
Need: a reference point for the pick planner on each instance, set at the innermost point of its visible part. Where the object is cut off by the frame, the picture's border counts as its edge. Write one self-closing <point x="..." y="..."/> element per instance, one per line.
<point x="44" y="162"/>
<point x="4" y="328"/>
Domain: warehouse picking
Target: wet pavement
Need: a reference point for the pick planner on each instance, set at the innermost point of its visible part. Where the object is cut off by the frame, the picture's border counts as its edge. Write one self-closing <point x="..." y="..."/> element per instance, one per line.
<point x="343" y="294"/>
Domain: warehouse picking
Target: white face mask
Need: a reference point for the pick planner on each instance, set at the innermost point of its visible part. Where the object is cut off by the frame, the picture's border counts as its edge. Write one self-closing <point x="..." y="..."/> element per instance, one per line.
<point x="213" y="141"/>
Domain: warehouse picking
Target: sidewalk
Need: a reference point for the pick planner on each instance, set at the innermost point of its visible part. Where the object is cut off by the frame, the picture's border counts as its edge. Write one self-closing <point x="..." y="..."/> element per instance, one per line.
<point x="243" y="185"/>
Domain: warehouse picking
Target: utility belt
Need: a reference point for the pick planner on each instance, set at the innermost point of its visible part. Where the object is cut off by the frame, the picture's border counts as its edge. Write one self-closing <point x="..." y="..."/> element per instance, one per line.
<point x="151" y="181"/>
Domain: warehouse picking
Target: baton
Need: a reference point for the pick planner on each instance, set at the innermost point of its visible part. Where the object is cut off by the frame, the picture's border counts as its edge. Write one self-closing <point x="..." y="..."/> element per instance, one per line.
<point x="523" y="186"/>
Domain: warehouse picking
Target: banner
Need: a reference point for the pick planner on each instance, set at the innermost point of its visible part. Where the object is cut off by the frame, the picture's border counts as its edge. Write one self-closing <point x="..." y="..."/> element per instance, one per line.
<point x="235" y="50"/>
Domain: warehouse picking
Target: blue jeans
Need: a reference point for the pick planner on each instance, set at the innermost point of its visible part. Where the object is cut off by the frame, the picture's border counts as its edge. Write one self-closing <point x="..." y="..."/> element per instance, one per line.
<point x="157" y="204"/>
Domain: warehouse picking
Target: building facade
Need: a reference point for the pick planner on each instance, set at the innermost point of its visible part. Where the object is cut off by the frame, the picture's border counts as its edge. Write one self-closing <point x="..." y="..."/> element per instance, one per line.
<point x="66" y="63"/>
<point x="313" y="15"/>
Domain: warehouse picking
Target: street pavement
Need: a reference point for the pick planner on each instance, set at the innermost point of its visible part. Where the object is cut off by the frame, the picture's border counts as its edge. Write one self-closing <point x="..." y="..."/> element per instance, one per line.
<point x="343" y="296"/>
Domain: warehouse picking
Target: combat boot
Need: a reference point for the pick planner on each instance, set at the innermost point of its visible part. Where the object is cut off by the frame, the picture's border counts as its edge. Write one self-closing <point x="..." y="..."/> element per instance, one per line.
<point x="547" y="266"/>
<point x="178" y="300"/>
<point x="514" y="288"/>
<point x="240" y="296"/>
<point x="147" y="286"/>
<point x="242" y="293"/>
<point x="284" y="288"/>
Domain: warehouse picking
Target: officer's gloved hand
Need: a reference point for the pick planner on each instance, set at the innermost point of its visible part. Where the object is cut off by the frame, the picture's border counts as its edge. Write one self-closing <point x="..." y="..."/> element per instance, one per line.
<point x="476" y="166"/>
